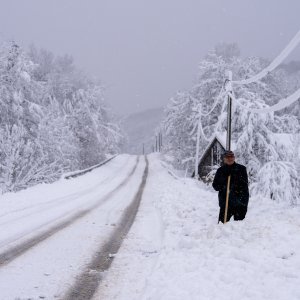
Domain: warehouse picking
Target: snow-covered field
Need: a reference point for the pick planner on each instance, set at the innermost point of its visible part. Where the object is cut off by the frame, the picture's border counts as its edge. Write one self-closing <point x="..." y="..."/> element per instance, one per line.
<point x="174" y="250"/>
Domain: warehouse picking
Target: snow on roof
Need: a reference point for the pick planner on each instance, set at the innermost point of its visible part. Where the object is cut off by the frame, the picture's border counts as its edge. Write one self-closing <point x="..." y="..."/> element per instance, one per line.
<point x="222" y="137"/>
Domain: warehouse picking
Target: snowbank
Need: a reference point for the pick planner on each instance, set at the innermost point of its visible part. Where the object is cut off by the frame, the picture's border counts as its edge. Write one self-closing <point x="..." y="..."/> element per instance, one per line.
<point x="197" y="258"/>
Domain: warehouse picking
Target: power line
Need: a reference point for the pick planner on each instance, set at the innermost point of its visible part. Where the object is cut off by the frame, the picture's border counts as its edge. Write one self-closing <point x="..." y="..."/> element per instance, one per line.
<point x="216" y="102"/>
<point x="274" y="64"/>
<point x="283" y="103"/>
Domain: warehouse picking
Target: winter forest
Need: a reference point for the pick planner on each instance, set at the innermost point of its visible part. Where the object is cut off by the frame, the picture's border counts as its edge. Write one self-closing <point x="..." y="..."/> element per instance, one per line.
<point x="149" y="150"/>
<point x="53" y="118"/>
<point x="267" y="143"/>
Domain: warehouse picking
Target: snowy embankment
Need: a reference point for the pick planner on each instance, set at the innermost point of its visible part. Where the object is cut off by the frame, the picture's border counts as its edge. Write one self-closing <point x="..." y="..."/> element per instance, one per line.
<point x="176" y="249"/>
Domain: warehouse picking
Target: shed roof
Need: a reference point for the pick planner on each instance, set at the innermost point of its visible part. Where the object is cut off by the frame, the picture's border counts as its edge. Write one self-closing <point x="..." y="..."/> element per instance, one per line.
<point x="221" y="138"/>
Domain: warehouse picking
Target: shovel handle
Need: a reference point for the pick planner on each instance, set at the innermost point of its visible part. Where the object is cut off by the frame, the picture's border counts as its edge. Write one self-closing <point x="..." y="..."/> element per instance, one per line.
<point x="227" y="199"/>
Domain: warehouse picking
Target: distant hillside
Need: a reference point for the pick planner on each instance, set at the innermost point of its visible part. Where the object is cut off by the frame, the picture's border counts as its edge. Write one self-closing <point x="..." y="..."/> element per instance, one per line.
<point x="140" y="128"/>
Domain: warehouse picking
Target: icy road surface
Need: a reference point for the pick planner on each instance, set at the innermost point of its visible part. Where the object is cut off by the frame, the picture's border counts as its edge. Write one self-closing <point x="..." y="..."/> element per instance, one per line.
<point x="55" y="238"/>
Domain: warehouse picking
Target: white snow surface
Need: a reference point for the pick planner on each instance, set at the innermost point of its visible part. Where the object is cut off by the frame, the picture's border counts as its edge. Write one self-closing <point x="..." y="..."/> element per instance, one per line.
<point x="174" y="250"/>
<point x="50" y="268"/>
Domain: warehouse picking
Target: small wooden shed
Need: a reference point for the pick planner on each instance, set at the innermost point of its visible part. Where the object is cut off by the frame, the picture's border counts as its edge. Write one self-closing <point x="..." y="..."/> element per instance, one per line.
<point x="212" y="157"/>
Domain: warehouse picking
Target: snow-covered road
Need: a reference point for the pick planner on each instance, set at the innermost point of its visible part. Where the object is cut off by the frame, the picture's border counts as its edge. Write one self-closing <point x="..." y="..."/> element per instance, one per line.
<point x="50" y="236"/>
<point x="174" y="249"/>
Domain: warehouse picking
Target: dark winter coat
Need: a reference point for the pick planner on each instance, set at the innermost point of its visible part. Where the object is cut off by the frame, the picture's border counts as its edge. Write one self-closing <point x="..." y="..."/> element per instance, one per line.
<point x="239" y="192"/>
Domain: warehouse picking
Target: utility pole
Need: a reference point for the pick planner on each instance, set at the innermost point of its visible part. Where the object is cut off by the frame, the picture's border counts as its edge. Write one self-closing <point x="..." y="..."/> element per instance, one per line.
<point x="197" y="145"/>
<point x="143" y="149"/>
<point x="156" y="144"/>
<point x="228" y="88"/>
<point x="159" y="142"/>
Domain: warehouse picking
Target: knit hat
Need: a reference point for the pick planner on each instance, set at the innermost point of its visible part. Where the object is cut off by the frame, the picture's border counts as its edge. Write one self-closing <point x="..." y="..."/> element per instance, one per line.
<point x="228" y="153"/>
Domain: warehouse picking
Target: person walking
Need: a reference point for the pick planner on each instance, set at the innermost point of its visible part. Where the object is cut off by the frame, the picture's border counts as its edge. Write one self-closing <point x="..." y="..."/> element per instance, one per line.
<point x="238" y="197"/>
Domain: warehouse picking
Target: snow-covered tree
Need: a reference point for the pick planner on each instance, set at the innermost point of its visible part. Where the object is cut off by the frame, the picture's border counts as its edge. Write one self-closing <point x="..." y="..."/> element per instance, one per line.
<point x="178" y="125"/>
<point x="279" y="181"/>
<point x="53" y="118"/>
<point x="252" y="133"/>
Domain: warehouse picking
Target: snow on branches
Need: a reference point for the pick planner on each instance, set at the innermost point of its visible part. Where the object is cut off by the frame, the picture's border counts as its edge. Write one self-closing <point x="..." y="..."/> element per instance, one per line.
<point x="254" y="135"/>
<point x="279" y="181"/>
<point x="53" y="118"/>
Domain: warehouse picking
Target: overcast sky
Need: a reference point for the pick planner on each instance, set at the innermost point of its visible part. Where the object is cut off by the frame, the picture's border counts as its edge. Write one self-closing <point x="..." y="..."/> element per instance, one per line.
<point x="144" y="51"/>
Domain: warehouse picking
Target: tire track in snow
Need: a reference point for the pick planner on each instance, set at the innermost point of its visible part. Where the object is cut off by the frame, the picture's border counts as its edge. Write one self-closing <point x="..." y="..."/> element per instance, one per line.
<point x="16" y="251"/>
<point x="40" y="207"/>
<point x="88" y="282"/>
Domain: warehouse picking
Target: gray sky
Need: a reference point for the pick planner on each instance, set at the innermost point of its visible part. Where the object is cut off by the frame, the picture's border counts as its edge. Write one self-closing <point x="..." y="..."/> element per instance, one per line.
<point x="144" y="51"/>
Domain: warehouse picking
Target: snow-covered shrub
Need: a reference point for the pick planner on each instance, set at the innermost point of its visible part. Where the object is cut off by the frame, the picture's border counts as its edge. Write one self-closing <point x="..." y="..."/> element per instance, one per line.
<point x="23" y="162"/>
<point x="211" y="175"/>
<point x="279" y="181"/>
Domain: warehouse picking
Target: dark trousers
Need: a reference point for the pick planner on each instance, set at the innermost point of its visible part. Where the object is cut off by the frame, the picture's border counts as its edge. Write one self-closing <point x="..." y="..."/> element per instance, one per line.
<point x="238" y="213"/>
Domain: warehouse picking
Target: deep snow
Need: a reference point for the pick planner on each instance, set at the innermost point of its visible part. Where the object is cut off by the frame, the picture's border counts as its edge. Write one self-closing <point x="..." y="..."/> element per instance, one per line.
<point x="176" y="249"/>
